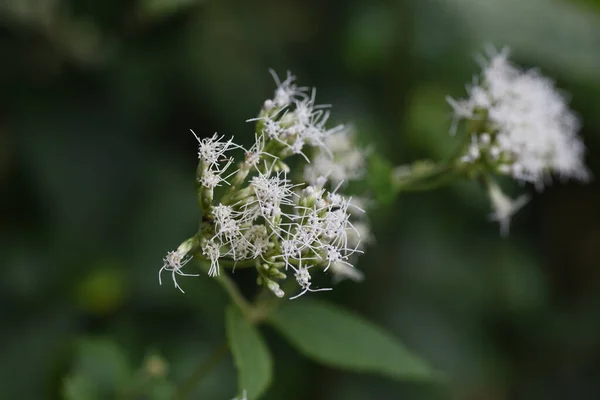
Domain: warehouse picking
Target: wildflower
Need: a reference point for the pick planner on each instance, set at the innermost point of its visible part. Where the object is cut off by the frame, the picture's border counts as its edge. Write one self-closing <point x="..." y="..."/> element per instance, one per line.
<point x="340" y="160"/>
<point x="526" y="129"/>
<point x="271" y="192"/>
<point x="212" y="251"/>
<point x="343" y="271"/>
<point x="174" y="261"/>
<point x="287" y="91"/>
<point x="303" y="278"/>
<point x="256" y="153"/>
<point x="212" y="150"/>
<point x="268" y="216"/>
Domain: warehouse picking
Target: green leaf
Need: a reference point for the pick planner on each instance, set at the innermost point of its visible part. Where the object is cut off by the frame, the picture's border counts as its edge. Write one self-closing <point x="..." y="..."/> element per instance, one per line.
<point x="100" y="371"/>
<point x="568" y="29"/>
<point x="164" y="8"/>
<point x="250" y="353"/>
<point x="336" y="337"/>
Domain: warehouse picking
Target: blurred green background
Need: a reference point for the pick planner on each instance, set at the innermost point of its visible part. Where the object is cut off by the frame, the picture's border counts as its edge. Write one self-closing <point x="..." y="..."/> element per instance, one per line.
<point x="97" y="168"/>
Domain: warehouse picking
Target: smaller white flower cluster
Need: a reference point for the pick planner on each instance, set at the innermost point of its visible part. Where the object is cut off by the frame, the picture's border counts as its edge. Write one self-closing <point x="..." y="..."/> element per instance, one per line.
<point x="520" y="124"/>
<point x="269" y="217"/>
<point x="293" y="119"/>
<point x="340" y="160"/>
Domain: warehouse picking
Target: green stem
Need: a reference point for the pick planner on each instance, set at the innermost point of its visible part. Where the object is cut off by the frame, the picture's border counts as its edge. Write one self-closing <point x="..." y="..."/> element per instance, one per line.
<point x="429" y="182"/>
<point x="436" y="177"/>
<point x="185" y="390"/>
<point x="443" y="173"/>
<point x="233" y="292"/>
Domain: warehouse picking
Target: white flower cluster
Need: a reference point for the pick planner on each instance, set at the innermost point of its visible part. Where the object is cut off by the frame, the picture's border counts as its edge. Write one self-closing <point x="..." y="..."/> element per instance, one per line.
<point x="265" y="218"/>
<point x="526" y="129"/>
<point x="340" y="160"/>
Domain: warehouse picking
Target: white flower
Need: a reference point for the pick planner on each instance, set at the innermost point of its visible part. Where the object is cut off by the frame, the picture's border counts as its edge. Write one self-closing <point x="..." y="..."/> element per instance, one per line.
<point x="287" y="91"/>
<point x="212" y="150"/>
<point x="266" y="220"/>
<point x="227" y="227"/>
<point x="360" y="236"/>
<point x="271" y="193"/>
<point x="212" y="177"/>
<point x="174" y="261"/>
<point x="343" y="271"/>
<point x="303" y="278"/>
<point x="257" y="238"/>
<point x="504" y="207"/>
<point x="256" y="153"/>
<point x="533" y="131"/>
<point x="340" y="160"/>
<point x="212" y="251"/>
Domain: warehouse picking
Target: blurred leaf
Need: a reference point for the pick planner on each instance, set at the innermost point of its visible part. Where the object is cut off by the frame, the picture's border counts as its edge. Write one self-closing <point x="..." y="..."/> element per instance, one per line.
<point x="429" y="121"/>
<point x="79" y="387"/>
<point x="334" y="336"/>
<point x="152" y="379"/>
<point x="102" y="291"/>
<point x="251" y="355"/>
<point x="99" y="372"/>
<point x="370" y="38"/>
<point x="164" y="8"/>
<point x="161" y="390"/>
<point x="560" y="34"/>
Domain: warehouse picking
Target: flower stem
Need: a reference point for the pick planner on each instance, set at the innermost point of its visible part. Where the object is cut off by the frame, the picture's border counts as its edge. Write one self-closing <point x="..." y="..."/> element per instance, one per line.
<point x="233" y="292"/>
<point x="436" y="177"/>
<point x="185" y="390"/>
<point x="235" y="295"/>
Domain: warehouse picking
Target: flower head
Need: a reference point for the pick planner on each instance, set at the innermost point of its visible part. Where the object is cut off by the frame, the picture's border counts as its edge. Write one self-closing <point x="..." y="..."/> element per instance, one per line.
<point x="339" y="160"/>
<point x="268" y="216"/>
<point x="524" y="125"/>
<point x="287" y="91"/>
<point x="303" y="278"/>
<point x="212" y="251"/>
<point x="212" y="150"/>
<point x="174" y="262"/>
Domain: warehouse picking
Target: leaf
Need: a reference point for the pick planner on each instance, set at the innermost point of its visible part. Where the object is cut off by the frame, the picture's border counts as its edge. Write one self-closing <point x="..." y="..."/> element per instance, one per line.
<point x="100" y="371"/>
<point x="251" y="355"/>
<point x="164" y="8"/>
<point x="566" y="28"/>
<point x="336" y="337"/>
